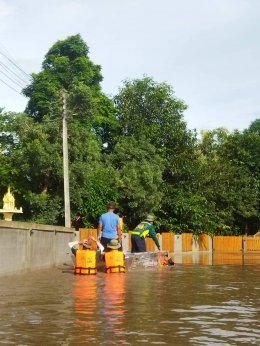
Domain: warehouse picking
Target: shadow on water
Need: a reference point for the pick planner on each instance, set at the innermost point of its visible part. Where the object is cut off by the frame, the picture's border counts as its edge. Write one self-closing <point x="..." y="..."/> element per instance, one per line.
<point x="205" y="300"/>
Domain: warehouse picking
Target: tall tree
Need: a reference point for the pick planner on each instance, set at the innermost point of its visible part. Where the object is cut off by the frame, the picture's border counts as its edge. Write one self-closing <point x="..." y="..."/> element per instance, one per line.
<point x="67" y="67"/>
<point x="243" y="150"/>
<point x="149" y="113"/>
<point x="227" y="181"/>
<point x="37" y="137"/>
<point x="139" y="177"/>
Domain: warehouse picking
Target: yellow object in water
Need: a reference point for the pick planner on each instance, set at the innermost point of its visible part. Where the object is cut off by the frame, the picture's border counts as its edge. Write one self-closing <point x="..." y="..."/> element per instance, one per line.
<point x="86" y="263"/>
<point x="115" y="262"/>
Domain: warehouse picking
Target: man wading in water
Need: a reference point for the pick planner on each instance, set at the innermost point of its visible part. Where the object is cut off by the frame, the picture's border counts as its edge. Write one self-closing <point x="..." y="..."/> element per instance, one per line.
<point x="109" y="225"/>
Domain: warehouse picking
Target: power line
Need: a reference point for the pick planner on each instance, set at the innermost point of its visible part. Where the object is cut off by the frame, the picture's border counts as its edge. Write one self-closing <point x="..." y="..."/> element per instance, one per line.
<point x="13" y="63"/>
<point x="10" y="70"/>
<point x="1" y="80"/>
<point x="11" y="79"/>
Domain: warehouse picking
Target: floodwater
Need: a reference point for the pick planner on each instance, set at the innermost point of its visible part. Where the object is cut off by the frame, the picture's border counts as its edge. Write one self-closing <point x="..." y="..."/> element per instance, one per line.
<point x="187" y="304"/>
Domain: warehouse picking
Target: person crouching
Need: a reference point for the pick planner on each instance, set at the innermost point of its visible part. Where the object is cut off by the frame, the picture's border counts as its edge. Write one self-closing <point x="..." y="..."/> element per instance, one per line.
<point x="114" y="258"/>
<point x="85" y="259"/>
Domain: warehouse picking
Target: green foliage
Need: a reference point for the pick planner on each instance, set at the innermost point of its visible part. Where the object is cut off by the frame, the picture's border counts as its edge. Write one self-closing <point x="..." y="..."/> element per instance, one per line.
<point x="32" y="164"/>
<point x="148" y="109"/>
<point x="229" y="181"/>
<point x="189" y="212"/>
<point x="150" y="112"/>
<point x="135" y="150"/>
<point x="139" y="180"/>
<point x="92" y="185"/>
<point x="65" y="65"/>
<point x="44" y="208"/>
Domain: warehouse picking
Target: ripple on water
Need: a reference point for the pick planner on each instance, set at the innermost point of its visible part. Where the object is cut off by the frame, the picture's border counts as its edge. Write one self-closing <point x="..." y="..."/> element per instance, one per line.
<point x="190" y="305"/>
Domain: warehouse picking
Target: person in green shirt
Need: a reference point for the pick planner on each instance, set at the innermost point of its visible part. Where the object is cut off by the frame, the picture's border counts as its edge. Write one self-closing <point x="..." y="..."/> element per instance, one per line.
<point x="143" y="230"/>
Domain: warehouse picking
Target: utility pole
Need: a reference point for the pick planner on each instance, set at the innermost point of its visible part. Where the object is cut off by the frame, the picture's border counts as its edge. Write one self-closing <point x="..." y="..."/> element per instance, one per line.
<point x="65" y="163"/>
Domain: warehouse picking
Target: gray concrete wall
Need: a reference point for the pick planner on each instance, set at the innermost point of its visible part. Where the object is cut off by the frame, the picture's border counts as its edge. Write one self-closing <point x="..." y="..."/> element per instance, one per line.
<point x="26" y="246"/>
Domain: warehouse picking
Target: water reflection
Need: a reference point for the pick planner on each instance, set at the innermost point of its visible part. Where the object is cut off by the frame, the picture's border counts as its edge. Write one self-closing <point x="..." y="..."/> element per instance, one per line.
<point x="187" y="304"/>
<point x="100" y="306"/>
<point x="85" y="295"/>
<point x="217" y="258"/>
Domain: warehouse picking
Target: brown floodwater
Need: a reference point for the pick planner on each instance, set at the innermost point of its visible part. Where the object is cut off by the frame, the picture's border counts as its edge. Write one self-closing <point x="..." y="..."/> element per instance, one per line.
<point x="187" y="304"/>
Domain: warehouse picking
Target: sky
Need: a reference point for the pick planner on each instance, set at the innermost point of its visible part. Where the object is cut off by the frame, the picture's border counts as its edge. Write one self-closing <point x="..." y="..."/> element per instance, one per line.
<point x="207" y="50"/>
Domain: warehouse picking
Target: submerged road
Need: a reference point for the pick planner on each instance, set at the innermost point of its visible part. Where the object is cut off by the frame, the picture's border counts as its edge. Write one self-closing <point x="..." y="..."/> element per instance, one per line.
<point x="191" y="304"/>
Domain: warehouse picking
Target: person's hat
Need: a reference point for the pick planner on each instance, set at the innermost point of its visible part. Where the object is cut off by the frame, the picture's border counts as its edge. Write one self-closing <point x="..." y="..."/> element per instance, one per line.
<point x="114" y="244"/>
<point x="149" y="217"/>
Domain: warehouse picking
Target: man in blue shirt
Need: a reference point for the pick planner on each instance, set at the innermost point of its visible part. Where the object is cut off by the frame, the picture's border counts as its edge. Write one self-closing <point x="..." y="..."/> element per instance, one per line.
<point x="109" y="225"/>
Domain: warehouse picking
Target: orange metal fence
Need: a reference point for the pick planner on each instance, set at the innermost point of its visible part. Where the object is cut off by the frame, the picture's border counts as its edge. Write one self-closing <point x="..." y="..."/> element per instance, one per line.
<point x="227" y="243"/>
<point x="220" y="243"/>
<point x="186" y="242"/>
<point x="168" y="242"/>
<point x="252" y="244"/>
<point x="150" y="246"/>
<point x="204" y="242"/>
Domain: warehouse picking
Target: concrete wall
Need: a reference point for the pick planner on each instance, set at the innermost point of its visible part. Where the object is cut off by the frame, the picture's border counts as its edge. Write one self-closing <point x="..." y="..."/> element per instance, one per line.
<point x="25" y="246"/>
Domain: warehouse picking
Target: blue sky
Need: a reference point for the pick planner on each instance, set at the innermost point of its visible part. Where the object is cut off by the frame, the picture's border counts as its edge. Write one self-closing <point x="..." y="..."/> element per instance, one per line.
<point x="207" y="50"/>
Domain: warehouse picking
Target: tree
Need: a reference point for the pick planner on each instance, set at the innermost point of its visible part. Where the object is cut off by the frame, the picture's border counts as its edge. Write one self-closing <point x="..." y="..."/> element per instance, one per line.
<point x="135" y="150"/>
<point x="243" y="150"/>
<point x="227" y="180"/>
<point x="139" y="180"/>
<point x="65" y="65"/>
<point x="68" y="67"/>
<point x="149" y="113"/>
<point x="34" y="150"/>
<point x="33" y="165"/>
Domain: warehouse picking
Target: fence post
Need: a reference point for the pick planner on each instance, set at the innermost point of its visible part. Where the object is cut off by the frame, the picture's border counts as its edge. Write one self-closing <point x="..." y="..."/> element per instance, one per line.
<point x="177" y="243"/>
<point x="125" y="242"/>
<point x="244" y="244"/>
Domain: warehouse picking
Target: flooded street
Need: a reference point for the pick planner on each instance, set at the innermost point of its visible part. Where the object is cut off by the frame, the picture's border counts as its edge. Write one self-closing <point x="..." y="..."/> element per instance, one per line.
<point x="188" y="304"/>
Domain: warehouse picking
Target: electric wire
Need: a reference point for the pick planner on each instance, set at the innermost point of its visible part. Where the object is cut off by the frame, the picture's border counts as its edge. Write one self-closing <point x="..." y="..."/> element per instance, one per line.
<point x="11" y="71"/>
<point x="11" y="79"/>
<point x="1" y="80"/>
<point x="14" y="64"/>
